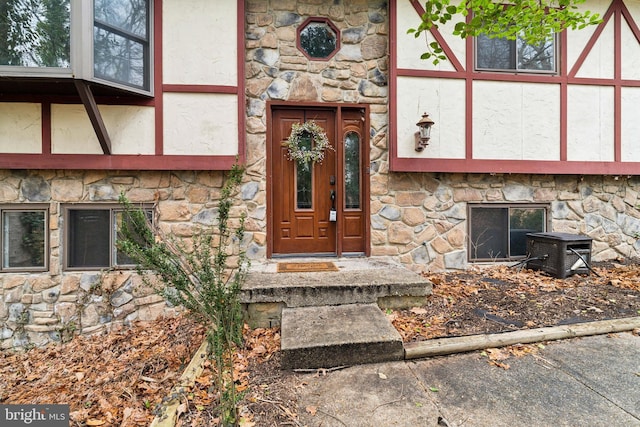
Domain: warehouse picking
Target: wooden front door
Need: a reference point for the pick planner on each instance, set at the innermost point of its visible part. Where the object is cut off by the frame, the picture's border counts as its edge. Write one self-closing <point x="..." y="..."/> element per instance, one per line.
<point x="303" y="196"/>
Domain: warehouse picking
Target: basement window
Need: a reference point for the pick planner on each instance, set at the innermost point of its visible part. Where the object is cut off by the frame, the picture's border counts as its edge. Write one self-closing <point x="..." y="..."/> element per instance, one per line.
<point x="24" y="238"/>
<point x="92" y="234"/>
<point x="499" y="232"/>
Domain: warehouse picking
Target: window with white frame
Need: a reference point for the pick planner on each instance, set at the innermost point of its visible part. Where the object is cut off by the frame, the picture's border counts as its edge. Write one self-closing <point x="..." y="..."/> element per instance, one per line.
<point x="24" y="238"/>
<point x="499" y="232"/>
<point x="92" y="234"/>
<point x="501" y="54"/>
<point x="111" y="39"/>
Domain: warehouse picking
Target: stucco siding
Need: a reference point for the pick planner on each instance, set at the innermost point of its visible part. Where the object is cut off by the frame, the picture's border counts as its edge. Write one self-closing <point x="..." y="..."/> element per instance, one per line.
<point x="20" y="128"/>
<point x="200" y="42"/>
<point x="200" y="124"/>
<point x="631" y="121"/>
<point x="443" y="100"/>
<point x="590" y="133"/>
<point x="130" y="128"/>
<point x="516" y="121"/>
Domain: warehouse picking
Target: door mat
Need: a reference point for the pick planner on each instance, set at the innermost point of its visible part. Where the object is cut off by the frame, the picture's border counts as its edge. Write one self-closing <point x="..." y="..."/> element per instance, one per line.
<point x="305" y="267"/>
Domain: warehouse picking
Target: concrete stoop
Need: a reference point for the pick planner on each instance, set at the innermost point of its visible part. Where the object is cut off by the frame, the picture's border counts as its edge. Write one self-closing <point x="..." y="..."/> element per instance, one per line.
<point x="333" y="318"/>
<point x="358" y="281"/>
<point x="340" y="335"/>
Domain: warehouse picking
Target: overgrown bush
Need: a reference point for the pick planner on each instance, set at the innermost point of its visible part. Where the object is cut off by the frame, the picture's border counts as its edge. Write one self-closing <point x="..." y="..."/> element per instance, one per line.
<point x="199" y="275"/>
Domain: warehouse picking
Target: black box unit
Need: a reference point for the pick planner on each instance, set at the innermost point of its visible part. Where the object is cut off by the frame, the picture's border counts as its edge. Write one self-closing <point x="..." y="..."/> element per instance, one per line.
<point x="559" y="254"/>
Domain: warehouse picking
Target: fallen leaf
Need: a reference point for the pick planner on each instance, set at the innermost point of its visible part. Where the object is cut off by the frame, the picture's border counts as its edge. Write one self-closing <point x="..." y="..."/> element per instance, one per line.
<point x="182" y="408"/>
<point x="434" y="389"/>
<point x="382" y="376"/>
<point x="244" y="422"/>
<point x="94" y="422"/>
<point x="504" y="366"/>
<point x="312" y="410"/>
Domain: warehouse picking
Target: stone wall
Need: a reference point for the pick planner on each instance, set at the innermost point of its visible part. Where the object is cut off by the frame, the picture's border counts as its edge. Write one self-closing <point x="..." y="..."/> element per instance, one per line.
<point x="422" y="218"/>
<point x="40" y="307"/>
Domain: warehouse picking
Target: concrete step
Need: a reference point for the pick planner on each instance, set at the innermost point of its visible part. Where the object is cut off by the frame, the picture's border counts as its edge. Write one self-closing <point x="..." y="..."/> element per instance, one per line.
<point x="340" y="335"/>
<point x="358" y="281"/>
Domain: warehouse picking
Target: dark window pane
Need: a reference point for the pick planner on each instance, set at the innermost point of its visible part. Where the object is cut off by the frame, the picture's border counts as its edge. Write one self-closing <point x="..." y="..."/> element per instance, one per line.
<point x="121" y="42"/>
<point x="521" y="222"/>
<point x="489" y="236"/>
<point x="304" y="178"/>
<point x="88" y="244"/>
<point x="352" y="170"/>
<point x="120" y="257"/>
<point x="540" y="57"/>
<point x="495" y="53"/>
<point x="128" y="15"/>
<point x="119" y="59"/>
<point x="503" y="54"/>
<point x="23" y="239"/>
<point x="318" y="39"/>
<point x="35" y="33"/>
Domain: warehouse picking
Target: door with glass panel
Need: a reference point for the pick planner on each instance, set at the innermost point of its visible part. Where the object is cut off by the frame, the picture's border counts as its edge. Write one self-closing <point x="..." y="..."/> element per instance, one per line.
<point x="318" y="208"/>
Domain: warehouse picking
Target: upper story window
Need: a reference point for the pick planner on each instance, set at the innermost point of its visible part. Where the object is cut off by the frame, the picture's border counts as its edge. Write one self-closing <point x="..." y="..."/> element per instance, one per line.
<point x="103" y="41"/>
<point x="24" y="238"/>
<point x="501" y="54"/>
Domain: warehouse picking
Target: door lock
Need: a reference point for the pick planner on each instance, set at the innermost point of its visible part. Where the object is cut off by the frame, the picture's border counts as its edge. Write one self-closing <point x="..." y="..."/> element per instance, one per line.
<point x="333" y="215"/>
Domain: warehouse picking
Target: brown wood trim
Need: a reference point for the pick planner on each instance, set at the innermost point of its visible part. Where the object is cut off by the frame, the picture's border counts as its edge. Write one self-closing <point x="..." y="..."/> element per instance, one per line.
<point x="242" y="139"/>
<point x="564" y="97"/>
<point x="393" y="85"/>
<point x="120" y="162"/>
<point x="617" y="75"/>
<point x="186" y="88"/>
<point x="516" y="166"/>
<point x="89" y="102"/>
<point x="468" y="105"/>
<point x="366" y="180"/>
<point x="46" y="127"/>
<point x="269" y="160"/>
<point x="339" y="167"/>
<point x="158" y="76"/>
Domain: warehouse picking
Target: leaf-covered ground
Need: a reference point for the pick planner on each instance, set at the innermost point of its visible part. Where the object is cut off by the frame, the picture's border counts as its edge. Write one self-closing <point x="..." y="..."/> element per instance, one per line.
<point x="501" y="298"/>
<point x="119" y="378"/>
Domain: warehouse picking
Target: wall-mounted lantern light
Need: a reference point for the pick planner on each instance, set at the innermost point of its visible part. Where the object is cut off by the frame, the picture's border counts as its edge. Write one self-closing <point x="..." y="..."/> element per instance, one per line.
<point x="424" y="132"/>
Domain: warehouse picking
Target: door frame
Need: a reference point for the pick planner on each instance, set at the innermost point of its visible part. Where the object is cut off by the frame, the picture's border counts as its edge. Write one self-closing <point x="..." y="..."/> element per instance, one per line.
<point x="365" y="163"/>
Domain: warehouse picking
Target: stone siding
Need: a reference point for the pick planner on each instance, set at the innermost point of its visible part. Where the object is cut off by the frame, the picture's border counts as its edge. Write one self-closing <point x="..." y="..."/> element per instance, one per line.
<point x="422" y="218"/>
<point x="39" y="307"/>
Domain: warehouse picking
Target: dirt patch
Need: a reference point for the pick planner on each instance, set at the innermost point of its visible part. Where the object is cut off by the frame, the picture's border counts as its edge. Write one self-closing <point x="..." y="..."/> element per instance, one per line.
<point x="501" y="298"/>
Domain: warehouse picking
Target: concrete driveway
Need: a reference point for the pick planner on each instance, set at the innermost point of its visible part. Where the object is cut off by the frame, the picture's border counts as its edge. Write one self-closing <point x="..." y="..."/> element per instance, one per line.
<point x="591" y="381"/>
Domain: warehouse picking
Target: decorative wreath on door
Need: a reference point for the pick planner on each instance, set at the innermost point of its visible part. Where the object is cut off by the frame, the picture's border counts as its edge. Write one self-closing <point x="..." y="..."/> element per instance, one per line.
<point x="298" y="151"/>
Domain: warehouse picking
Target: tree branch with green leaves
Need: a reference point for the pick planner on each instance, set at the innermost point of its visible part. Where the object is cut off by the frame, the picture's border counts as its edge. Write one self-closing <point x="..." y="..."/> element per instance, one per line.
<point x="534" y="21"/>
